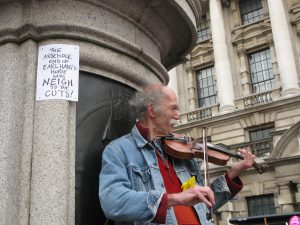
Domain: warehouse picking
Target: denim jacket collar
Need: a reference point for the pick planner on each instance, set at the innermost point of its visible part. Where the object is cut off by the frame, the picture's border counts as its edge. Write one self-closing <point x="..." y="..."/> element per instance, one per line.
<point x="138" y="138"/>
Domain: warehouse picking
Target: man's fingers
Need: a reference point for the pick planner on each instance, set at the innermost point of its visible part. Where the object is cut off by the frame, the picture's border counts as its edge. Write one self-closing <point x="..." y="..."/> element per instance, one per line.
<point x="205" y="200"/>
<point x="206" y="195"/>
<point x="246" y="153"/>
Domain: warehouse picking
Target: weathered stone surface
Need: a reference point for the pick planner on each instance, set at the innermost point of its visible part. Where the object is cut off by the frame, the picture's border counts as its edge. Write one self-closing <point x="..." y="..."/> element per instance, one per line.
<point x="133" y="42"/>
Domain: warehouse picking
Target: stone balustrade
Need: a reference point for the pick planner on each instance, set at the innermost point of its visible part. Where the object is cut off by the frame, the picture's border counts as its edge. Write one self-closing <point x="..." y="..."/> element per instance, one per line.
<point x="241" y="104"/>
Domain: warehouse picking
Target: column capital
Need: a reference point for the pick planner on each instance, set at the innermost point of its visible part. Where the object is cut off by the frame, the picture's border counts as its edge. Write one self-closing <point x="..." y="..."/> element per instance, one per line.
<point x="188" y="66"/>
<point x="241" y="52"/>
<point x="270" y="41"/>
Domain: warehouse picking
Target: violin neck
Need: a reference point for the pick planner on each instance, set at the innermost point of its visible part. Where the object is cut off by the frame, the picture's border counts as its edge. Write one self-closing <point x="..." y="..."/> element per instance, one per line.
<point x="220" y="149"/>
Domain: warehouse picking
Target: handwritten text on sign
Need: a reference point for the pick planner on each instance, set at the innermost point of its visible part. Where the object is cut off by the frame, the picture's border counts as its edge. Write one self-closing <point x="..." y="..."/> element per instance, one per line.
<point x="58" y="71"/>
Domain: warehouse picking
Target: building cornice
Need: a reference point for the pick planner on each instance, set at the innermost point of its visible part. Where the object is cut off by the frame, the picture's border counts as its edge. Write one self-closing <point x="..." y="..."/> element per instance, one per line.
<point x="292" y="102"/>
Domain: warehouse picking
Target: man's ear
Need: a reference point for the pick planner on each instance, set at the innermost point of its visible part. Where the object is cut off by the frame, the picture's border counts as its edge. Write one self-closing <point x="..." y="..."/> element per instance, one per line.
<point x="150" y="110"/>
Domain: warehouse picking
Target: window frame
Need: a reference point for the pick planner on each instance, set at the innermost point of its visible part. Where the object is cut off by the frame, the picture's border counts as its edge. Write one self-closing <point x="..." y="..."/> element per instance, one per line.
<point x="270" y="139"/>
<point x="270" y="72"/>
<point x="214" y="84"/>
<point x="261" y="16"/>
<point x="271" y="208"/>
<point x="207" y="28"/>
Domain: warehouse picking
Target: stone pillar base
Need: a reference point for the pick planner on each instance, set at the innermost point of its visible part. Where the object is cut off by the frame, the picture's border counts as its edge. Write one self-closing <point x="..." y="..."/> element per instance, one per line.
<point x="290" y="92"/>
<point x="226" y="109"/>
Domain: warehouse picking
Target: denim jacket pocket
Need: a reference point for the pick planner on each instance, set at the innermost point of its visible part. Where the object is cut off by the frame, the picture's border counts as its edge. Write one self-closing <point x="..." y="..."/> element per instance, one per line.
<point x="199" y="179"/>
<point x="141" y="178"/>
<point x="184" y="175"/>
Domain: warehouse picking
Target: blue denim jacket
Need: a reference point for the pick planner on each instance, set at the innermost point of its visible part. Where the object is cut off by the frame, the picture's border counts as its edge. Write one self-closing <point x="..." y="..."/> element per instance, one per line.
<point x="131" y="186"/>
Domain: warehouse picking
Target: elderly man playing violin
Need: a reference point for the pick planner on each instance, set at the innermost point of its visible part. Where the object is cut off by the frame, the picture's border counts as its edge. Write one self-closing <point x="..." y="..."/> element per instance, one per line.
<point x="141" y="184"/>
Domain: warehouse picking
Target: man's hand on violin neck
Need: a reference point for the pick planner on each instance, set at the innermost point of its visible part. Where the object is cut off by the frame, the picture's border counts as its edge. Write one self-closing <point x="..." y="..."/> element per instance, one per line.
<point x="245" y="164"/>
<point x="249" y="158"/>
<point x="192" y="196"/>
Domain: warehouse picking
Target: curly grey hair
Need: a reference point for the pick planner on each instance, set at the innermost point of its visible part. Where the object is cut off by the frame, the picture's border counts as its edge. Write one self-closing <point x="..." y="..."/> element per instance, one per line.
<point x="151" y="95"/>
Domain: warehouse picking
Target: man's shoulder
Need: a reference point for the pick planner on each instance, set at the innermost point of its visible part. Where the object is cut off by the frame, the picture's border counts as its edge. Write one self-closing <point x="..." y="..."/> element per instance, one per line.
<point x="122" y="141"/>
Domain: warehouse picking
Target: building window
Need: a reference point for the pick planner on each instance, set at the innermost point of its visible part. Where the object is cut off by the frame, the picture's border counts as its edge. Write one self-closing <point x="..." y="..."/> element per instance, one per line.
<point x="204" y="32"/>
<point x="251" y="11"/>
<point x="206" y="85"/>
<point x="262" y="77"/>
<point x="261" y="205"/>
<point x="261" y="141"/>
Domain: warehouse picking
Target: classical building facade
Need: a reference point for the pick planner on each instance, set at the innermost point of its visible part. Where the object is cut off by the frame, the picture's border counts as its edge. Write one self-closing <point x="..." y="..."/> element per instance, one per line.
<point x="241" y="82"/>
<point x="50" y="150"/>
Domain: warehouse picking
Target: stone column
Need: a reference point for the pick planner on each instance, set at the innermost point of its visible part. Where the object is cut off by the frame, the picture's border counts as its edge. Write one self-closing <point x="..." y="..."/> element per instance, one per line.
<point x="285" y="198"/>
<point x="226" y="213"/>
<point x="222" y="63"/>
<point x="298" y="137"/>
<point x="191" y="88"/>
<point x="284" y="49"/>
<point x="275" y="66"/>
<point x="53" y="163"/>
<point x="18" y="76"/>
<point x="173" y="81"/>
<point x="244" y="73"/>
<point x="276" y="93"/>
<point x="134" y="44"/>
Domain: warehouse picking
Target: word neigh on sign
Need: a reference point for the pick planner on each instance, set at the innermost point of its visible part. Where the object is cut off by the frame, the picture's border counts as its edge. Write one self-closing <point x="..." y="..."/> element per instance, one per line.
<point x="57" y="72"/>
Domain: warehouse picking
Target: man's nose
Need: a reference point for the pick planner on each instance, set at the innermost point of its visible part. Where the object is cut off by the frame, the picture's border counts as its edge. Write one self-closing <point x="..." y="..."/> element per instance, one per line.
<point x="176" y="115"/>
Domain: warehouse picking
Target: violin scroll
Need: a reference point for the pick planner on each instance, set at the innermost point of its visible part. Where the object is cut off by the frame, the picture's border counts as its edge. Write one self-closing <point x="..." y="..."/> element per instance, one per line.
<point x="260" y="167"/>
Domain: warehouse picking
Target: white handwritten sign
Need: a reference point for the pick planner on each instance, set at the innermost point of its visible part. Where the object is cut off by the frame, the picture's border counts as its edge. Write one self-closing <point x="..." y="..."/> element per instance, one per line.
<point x="57" y="72"/>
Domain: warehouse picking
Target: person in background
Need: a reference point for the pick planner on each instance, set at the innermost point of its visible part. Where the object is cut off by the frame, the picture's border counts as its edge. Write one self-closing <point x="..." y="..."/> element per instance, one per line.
<point x="141" y="184"/>
<point x="295" y="220"/>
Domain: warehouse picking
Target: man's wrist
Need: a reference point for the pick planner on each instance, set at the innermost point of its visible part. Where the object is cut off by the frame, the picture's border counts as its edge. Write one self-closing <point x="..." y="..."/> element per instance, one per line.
<point x="172" y="199"/>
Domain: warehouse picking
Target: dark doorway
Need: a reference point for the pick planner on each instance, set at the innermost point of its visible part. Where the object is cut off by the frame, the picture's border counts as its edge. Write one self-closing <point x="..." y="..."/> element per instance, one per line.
<point x="102" y="115"/>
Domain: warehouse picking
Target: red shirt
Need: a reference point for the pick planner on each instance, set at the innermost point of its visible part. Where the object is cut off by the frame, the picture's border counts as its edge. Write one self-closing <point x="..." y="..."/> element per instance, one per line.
<point x="185" y="215"/>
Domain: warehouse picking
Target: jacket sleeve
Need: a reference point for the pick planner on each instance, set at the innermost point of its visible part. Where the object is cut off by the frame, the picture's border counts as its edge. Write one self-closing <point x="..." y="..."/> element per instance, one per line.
<point x="117" y="198"/>
<point x="225" y="189"/>
<point x="161" y="214"/>
<point x="235" y="185"/>
<point x="221" y="191"/>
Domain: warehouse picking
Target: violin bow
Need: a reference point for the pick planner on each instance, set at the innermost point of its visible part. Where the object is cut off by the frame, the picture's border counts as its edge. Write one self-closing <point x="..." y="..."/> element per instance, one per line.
<point x="206" y="171"/>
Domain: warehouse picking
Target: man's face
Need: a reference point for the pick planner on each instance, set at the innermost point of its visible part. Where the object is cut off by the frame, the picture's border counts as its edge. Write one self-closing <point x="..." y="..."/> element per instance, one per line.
<point x="167" y="116"/>
<point x="295" y="220"/>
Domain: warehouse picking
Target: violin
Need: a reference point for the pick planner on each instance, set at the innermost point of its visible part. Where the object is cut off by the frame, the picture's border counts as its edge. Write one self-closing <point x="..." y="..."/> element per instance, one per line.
<point x="182" y="147"/>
